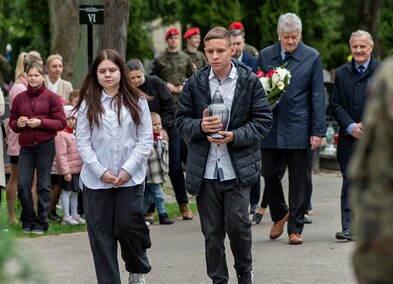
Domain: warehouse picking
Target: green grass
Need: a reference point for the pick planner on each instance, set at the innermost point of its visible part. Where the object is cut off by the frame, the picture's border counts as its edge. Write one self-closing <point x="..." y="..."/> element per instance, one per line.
<point x="56" y="228"/>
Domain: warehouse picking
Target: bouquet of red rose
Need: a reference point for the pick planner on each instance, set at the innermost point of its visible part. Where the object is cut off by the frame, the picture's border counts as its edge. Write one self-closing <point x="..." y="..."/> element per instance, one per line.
<point x="275" y="82"/>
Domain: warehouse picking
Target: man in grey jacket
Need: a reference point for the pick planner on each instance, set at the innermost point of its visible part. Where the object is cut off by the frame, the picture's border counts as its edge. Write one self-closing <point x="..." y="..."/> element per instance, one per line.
<point x="220" y="172"/>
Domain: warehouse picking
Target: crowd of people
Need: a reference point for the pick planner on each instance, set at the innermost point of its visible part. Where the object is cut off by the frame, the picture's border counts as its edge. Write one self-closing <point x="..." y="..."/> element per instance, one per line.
<point x="104" y="151"/>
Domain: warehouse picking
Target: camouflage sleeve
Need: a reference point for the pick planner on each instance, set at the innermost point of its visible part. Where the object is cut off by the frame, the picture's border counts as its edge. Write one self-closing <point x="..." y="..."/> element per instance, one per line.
<point x="250" y="50"/>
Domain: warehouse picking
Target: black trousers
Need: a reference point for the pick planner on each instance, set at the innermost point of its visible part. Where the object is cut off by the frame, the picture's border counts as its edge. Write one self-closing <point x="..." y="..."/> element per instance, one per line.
<point x="115" y="216"/>
<point x="40" y="158"/>
<point x="255" y="193"/>
<point x="223" y="209"/>
<point x="346" y="212"/>
<point x="297" y="194"/>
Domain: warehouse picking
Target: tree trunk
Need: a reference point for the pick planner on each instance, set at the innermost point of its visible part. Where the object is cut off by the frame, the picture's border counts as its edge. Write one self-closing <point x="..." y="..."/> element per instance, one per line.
<point x="4" y="34"/>
<point x="64" y="27"/>
<point x="375" y="7"/>
<point x="114" y="33"/>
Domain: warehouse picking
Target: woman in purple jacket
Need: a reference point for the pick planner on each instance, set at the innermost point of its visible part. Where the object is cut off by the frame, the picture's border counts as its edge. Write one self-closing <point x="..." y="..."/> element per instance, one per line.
<point x="36" y="114"/>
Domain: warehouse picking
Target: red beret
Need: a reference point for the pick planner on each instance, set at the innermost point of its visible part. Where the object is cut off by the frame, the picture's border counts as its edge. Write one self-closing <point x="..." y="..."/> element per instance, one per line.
<point x="236" y="26"/>
<point x="171" y="32"/>
<point x="191" y="32"/>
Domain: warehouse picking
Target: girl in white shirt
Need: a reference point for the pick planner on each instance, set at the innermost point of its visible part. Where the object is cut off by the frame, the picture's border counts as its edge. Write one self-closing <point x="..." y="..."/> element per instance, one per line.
<point x="114" y="141"/>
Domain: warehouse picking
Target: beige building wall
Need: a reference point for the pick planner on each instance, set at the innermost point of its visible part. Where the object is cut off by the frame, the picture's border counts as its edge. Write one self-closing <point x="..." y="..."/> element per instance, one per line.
<point x="159" y="43"/>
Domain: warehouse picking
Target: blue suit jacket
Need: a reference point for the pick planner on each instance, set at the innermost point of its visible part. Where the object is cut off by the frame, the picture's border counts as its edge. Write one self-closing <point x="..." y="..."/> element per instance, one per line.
<point x="301" y="112"/>
<point x="250" y="61"/>
<point x="349" y="99"/>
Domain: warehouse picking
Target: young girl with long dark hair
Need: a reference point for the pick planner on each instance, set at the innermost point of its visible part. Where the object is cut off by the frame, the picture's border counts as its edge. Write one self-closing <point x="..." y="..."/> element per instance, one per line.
<point x="114" y="141"/>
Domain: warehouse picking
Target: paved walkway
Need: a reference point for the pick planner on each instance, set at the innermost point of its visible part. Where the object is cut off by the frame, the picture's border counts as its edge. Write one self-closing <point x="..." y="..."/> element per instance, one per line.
<point x="177" y="255"/>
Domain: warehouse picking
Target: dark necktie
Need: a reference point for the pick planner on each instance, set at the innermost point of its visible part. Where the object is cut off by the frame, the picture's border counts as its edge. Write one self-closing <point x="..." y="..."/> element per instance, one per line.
<point x="287" y="55"/>
<point x="361" y="69"/>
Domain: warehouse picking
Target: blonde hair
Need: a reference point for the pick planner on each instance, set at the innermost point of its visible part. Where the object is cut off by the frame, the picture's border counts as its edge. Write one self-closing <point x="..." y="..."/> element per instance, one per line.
<point x="53" y="57"/>
<point x="155" y="115"/>
<point x="24" y="59"/>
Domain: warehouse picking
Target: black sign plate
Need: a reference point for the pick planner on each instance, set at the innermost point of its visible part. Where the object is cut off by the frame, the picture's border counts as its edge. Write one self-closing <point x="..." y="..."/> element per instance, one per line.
<point x="91" y="14"/>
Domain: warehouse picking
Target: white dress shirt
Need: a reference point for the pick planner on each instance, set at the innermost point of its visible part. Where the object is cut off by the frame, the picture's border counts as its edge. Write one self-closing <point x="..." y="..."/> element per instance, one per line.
<point x="219" y="165"/>
<point x="112" y="146"/>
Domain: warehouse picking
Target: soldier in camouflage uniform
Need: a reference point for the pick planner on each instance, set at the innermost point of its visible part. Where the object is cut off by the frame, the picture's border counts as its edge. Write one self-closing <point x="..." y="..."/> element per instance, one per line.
<point x="173" y="66"/>
<point x="247" y="47"/>
<point x="371" y="175"/>
<point x="193" y="38"/>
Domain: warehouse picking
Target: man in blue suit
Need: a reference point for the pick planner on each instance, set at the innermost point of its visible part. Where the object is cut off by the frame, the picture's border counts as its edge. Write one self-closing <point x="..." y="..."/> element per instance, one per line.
<point x="349" y="97"/>
<point x="299" y="123"/>
<point x="241" y="56"/>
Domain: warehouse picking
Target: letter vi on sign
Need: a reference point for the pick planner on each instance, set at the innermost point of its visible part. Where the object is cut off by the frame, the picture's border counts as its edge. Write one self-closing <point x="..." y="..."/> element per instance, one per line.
<point x="91" y="14"/>
<point x="92" y="18"/>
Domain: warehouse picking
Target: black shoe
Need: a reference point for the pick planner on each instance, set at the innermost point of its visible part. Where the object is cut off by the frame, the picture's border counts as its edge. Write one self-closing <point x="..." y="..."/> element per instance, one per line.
<point x="307" y="219"/>
<point x="164" y="219"/>
<point x="256" y="219"/>
<point x="346" y="234"/>
<point x="245" y="279"/>
<point x="54" y="217"/>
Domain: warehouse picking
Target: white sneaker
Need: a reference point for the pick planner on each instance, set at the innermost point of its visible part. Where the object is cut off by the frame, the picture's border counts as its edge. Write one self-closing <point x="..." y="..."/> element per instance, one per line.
<point x="68" y="220"/>
<point x="136" y="278"/>
<point x="79" y="219"/>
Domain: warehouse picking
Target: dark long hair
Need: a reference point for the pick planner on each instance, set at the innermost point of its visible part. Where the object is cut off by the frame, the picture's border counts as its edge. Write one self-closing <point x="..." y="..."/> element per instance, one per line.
<point x="91" y="91"/>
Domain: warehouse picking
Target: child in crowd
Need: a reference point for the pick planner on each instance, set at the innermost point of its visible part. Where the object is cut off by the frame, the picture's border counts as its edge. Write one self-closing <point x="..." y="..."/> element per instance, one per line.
<point x="69" y="165"/>
<point x="73" y="98"/>
<point x="156" y="171"/>
<point x="55" y="184"/>
<point x="13" y="147"/>
<point x="37" y="115"/>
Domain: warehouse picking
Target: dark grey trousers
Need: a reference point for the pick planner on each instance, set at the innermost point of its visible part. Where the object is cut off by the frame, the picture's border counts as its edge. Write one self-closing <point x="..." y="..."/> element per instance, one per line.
<point x="115" y="215"/>
<point x="223" y="209"/>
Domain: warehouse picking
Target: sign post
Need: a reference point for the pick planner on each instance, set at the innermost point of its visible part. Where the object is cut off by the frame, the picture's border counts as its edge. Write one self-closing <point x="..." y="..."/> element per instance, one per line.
<point x="91" y="15"/>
